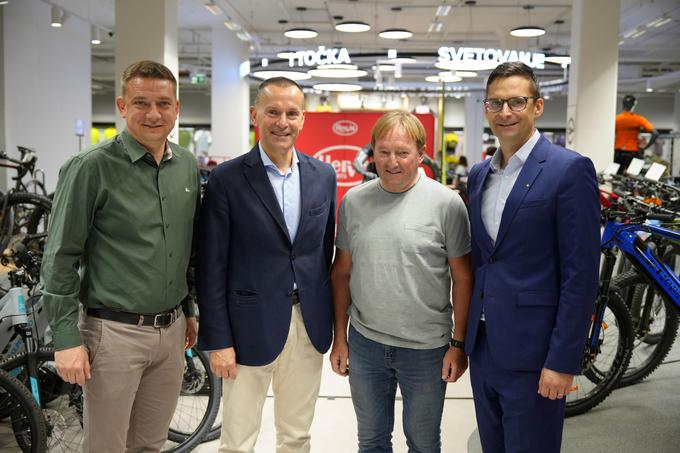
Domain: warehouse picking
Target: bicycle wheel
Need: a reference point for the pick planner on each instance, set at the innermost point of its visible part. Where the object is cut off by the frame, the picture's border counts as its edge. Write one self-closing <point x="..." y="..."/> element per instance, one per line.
<point x="197" y="406"/>
<point x="602" y="372"/>
<point x="61" y="402"/>
<point x="655" y="338"/>
<point x="28" y="433"/>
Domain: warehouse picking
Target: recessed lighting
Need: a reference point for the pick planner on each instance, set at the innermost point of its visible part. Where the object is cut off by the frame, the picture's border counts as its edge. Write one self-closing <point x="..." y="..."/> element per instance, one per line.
<point x="663" y="22"/>
<point x="292" y="75"/>
<point x="395" y="33"/>
<point x="466" y="74"/>
<point x="337" y="73"/>
<point x="528" y="31"/>
<point x="231" y="25"/>
<point x="57" y="17"/>
<point x="450" y="77"/>
<point x="213" y="7"/>
<point x="337" y="87"/>
<point x="337" y="66"/>
<point x="443" y="10"/>
<point x="301" y="33"/>
<point x="352" y="26"/>
<point x="639" y="33"/>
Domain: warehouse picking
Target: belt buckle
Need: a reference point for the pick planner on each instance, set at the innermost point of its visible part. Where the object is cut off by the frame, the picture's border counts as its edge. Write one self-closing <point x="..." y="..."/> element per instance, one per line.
<point x="158" y="320"/>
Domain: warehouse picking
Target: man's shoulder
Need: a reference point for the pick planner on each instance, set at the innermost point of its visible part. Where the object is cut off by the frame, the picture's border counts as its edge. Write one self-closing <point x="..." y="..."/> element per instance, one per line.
<point x="97" y="153"/>
<point x="324" y="167"/>
<point x="361" y="192"/>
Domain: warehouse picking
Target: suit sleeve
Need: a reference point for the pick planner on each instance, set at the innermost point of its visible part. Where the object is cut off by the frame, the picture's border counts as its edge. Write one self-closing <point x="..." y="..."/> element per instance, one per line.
<point x="578" y="233"/>
<point x="212" y="267"/>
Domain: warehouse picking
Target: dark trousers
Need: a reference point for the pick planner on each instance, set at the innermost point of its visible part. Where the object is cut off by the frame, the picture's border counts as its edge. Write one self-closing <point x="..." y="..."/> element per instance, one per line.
<point x="511" y="416"/>
<point x="624" y="157"/>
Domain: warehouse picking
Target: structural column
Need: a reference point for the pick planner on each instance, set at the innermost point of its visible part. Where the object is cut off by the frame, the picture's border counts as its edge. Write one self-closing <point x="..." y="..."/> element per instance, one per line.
<point x="593" y="79"/>
<point x="230" y="95"/>
<point x="145" y="30"/>
<point x="474" y="127"/>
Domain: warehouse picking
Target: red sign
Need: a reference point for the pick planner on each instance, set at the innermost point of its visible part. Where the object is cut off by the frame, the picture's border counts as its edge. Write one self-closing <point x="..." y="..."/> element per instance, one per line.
<point x="336" y="138"/>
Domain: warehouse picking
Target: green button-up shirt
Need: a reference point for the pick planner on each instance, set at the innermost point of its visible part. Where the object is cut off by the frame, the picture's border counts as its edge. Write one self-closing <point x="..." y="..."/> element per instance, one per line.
<point x="121" y="233"/>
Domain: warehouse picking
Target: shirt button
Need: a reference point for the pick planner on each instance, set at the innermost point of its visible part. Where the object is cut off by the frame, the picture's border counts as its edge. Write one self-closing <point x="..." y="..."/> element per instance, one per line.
<point x="170" y="282"/>
<point x="170" y="254"/>
<point x="163" y="198"/>
<point x="167" y="225"/>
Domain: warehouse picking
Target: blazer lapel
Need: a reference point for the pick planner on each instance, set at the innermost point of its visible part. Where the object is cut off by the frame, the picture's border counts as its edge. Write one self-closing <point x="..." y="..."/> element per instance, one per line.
<point x="306" y="182"/>
<point x="256" y="175"/>
<point x="530" y="171"/>
<point x="476" y="207"/>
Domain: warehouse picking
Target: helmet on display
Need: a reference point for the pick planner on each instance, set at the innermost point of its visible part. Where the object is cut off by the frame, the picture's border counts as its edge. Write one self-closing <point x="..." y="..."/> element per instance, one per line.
<point x="629" y="102"/>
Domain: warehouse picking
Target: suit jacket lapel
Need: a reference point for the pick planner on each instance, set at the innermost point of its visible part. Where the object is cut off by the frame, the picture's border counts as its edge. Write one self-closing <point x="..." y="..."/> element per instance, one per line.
<point x="476" y="208"/>
<point x="306" y="182"/>
<point x="530" y="170"/>
<point x="256" y="175"/>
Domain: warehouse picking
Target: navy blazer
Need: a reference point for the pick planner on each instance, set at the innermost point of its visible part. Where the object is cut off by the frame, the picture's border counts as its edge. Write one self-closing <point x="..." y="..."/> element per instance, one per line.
<point x="538" y="284"/>
<point x="246" y="263"/>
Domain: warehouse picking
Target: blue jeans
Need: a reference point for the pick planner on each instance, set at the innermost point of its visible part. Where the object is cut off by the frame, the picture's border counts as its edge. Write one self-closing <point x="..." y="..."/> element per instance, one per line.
<point x="375" y="371"/>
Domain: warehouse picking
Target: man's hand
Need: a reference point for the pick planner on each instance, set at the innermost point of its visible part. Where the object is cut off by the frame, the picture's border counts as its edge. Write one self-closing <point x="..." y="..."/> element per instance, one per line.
<point x="223" y="363"/>
<point x="454" y="365"/>
<point x="73" y="365"/>
<point x="554" y="385"/>
<point x="340" y="357"/>
<point x="191" y="333"/>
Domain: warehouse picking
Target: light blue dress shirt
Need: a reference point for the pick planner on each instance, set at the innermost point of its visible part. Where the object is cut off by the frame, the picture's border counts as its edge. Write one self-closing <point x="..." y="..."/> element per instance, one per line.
<point x="287" y="190"/>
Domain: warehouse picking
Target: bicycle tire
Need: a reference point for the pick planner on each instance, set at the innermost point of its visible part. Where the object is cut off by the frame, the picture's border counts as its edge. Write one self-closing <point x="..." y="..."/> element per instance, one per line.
<point x="614" y="356"/>
<point x="199" y="381"/>
<point x="61" y="402"/>
<point x="29" y="431"/>
<point x="647" y="354"/>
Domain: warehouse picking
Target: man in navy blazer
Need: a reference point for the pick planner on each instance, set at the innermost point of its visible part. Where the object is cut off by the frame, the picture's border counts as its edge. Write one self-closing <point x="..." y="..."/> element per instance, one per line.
<point x="265" y="246"/>
<point x="534" y="212"/>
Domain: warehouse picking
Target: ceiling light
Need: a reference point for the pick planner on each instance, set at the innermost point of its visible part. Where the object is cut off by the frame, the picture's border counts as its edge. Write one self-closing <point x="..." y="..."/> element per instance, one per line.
<point x="443" y="10"/>
<point x="301" y="33"/>
<point x="395" y="33"/>
<point x="337" y="66"/>
<point x="527" y="31"/>
<point x="337" y="73"/>
<point x="385" y="67"/>
<point x="652" y="23"/>
<point x="663" y="22"/>
<point x="352" y="26"/>
<point x="392" y="53"/>
<point x="649" y="88"/>
<point x="286" y="54"/>
<point x="57" y="17"/>
<point x="466" y="65"/>
<point x="244" y="36"/>
<point x="439" y="79"/>
<point x="400" y="60"/>
<point x="621" y="42"/>
<point x="231" y="25"/>
<point x="639" y="33"/>
<point x="94" y="32"/>
<point x="435" y="27"/>
<point x="450" y="77"/>
<point x="466" y="74"/>
<point x="337" y="87"/>
<point x="292" y="75"/>
<point x="558" y="59"/>
<point x="213" y="7"/>
<point x="4" y="2"/>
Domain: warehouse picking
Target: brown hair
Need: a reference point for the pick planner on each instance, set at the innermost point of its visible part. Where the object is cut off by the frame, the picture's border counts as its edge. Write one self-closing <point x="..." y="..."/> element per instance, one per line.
<point x="399" y="118"/>
<point x="514" y="68"/>
<point x="146" y="69"/>
<point x="281" y="82"/>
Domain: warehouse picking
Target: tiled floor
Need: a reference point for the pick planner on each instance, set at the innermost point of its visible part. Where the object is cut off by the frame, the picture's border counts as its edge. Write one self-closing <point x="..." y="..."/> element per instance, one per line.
<point x="334" y="427"/>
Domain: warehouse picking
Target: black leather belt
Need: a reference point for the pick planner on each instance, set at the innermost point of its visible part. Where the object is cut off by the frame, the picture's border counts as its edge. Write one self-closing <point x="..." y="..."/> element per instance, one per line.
<point x="157" y="320"/>
<point x="295" y="296"/>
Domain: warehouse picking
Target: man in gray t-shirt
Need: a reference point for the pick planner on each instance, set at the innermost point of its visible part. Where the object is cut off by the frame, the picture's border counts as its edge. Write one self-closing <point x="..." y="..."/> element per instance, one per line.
<point x="401" y="238"/>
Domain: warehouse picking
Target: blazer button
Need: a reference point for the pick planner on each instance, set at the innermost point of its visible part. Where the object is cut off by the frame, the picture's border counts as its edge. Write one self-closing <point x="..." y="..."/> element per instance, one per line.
<point x="292" y="256"/>
<point x="492" y="259"/>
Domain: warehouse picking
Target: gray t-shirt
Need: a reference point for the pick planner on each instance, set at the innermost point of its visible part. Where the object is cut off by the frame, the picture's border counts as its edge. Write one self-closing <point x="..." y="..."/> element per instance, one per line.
<point x="400" y="244"/>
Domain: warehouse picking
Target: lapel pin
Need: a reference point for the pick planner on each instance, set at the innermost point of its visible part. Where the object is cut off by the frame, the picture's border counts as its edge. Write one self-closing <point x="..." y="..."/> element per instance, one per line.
<point x="528" y="185"/>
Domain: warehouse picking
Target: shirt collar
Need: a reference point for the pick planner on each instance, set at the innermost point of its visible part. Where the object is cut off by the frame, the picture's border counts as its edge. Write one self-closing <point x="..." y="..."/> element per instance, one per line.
<point x="268" y="162"/>
<point x="136" y="151"/>
<point x="522" y="153"/>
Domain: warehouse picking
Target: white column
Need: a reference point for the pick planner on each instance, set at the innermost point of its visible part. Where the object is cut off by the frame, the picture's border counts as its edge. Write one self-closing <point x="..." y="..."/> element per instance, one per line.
<point x="591" y="103"/>
<point x="474" y="127"/>
<point x="47" y="85"/>
<point x="145" y="30"/>
<point x="676" y="141"/>
<point x="229" y="95"/>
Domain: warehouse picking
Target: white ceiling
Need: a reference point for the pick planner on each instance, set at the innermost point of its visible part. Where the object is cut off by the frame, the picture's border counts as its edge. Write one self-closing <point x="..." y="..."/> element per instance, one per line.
<point x="654" y="55"/>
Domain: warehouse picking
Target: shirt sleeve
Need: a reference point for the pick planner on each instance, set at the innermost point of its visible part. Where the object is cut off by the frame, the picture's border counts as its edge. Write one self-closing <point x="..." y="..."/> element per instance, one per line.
<point x="72" y="214"/>
<point x="457" y="228"/>
<point x="342" y="238"/>
<point x="645" y="124"/>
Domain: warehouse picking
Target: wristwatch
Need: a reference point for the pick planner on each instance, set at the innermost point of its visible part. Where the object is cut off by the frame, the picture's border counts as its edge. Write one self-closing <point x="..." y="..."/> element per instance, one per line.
<point x="457" y="344"/>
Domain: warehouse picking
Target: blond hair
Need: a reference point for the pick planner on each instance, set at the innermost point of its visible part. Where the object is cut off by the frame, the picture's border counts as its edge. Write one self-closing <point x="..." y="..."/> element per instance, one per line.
<point x="399" y="118"/>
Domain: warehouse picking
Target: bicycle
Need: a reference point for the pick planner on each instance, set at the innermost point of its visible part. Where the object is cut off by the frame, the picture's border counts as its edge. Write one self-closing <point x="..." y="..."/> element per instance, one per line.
<point x="25" y="165"/>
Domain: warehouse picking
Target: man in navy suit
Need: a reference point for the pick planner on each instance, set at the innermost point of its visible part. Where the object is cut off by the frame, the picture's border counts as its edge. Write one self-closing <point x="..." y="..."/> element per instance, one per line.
<point x="534" y="212"/>
<point x="264" y="252"/>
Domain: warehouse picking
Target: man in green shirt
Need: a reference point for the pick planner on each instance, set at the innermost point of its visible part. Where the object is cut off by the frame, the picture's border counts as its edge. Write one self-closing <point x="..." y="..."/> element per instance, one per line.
<point x="123" y="218"/>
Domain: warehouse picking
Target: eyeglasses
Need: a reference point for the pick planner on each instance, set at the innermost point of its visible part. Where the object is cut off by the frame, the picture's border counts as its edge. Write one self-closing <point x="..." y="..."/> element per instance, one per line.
<point x="516" y="104"/>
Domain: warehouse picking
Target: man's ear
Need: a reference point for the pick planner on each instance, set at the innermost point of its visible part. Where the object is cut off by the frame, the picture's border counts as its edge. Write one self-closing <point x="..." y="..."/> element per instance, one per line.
<point x="120" y="104"/>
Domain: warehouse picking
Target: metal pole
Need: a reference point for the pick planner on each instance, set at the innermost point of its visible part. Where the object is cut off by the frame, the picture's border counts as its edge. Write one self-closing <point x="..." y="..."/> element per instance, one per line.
<point x="442" y="134"/>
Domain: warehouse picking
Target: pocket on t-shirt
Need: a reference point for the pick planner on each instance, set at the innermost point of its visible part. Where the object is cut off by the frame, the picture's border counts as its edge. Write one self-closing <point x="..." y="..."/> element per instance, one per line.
<point x="419" y="238"/>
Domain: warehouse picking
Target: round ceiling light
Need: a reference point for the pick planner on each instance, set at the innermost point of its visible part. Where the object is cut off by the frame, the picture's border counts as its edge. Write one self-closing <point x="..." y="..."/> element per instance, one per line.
<point x="292" y="75"/>
<point x="528" y="31"/>
<point x="337" y="73"/>
<point x="466" y="65"/>
<point x="337" y="66"/>
<point x="286" y="54"/>
<point x="337" y="87"/>
<point x="352" y="26"/>
<point x="385" y="68"/>
<point x="466" y="73"/>
<point x="301" y="33"/>
<point x="449" y="77"/>
<point x="395" y="33"/>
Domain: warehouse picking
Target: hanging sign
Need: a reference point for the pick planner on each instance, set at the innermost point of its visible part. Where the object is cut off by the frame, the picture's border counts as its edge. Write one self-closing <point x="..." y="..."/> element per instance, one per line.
<point x="533" y="59"/>
<point x="319" y="57"/>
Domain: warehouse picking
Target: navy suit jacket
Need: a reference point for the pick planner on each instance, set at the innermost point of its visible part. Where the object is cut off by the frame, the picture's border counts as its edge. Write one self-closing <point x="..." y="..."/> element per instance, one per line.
<point x="246" y="263"/>
<point x="538" y="284"/>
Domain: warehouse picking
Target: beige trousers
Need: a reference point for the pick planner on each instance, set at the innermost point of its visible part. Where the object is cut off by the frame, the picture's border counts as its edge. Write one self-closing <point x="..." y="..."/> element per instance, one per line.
<point x="136" y="378"/>
<point x="295" y="376"/>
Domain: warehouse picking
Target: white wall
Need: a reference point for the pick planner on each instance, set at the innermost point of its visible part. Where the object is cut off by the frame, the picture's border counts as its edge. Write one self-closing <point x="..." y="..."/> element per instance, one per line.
<point x="47" y="84"/>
